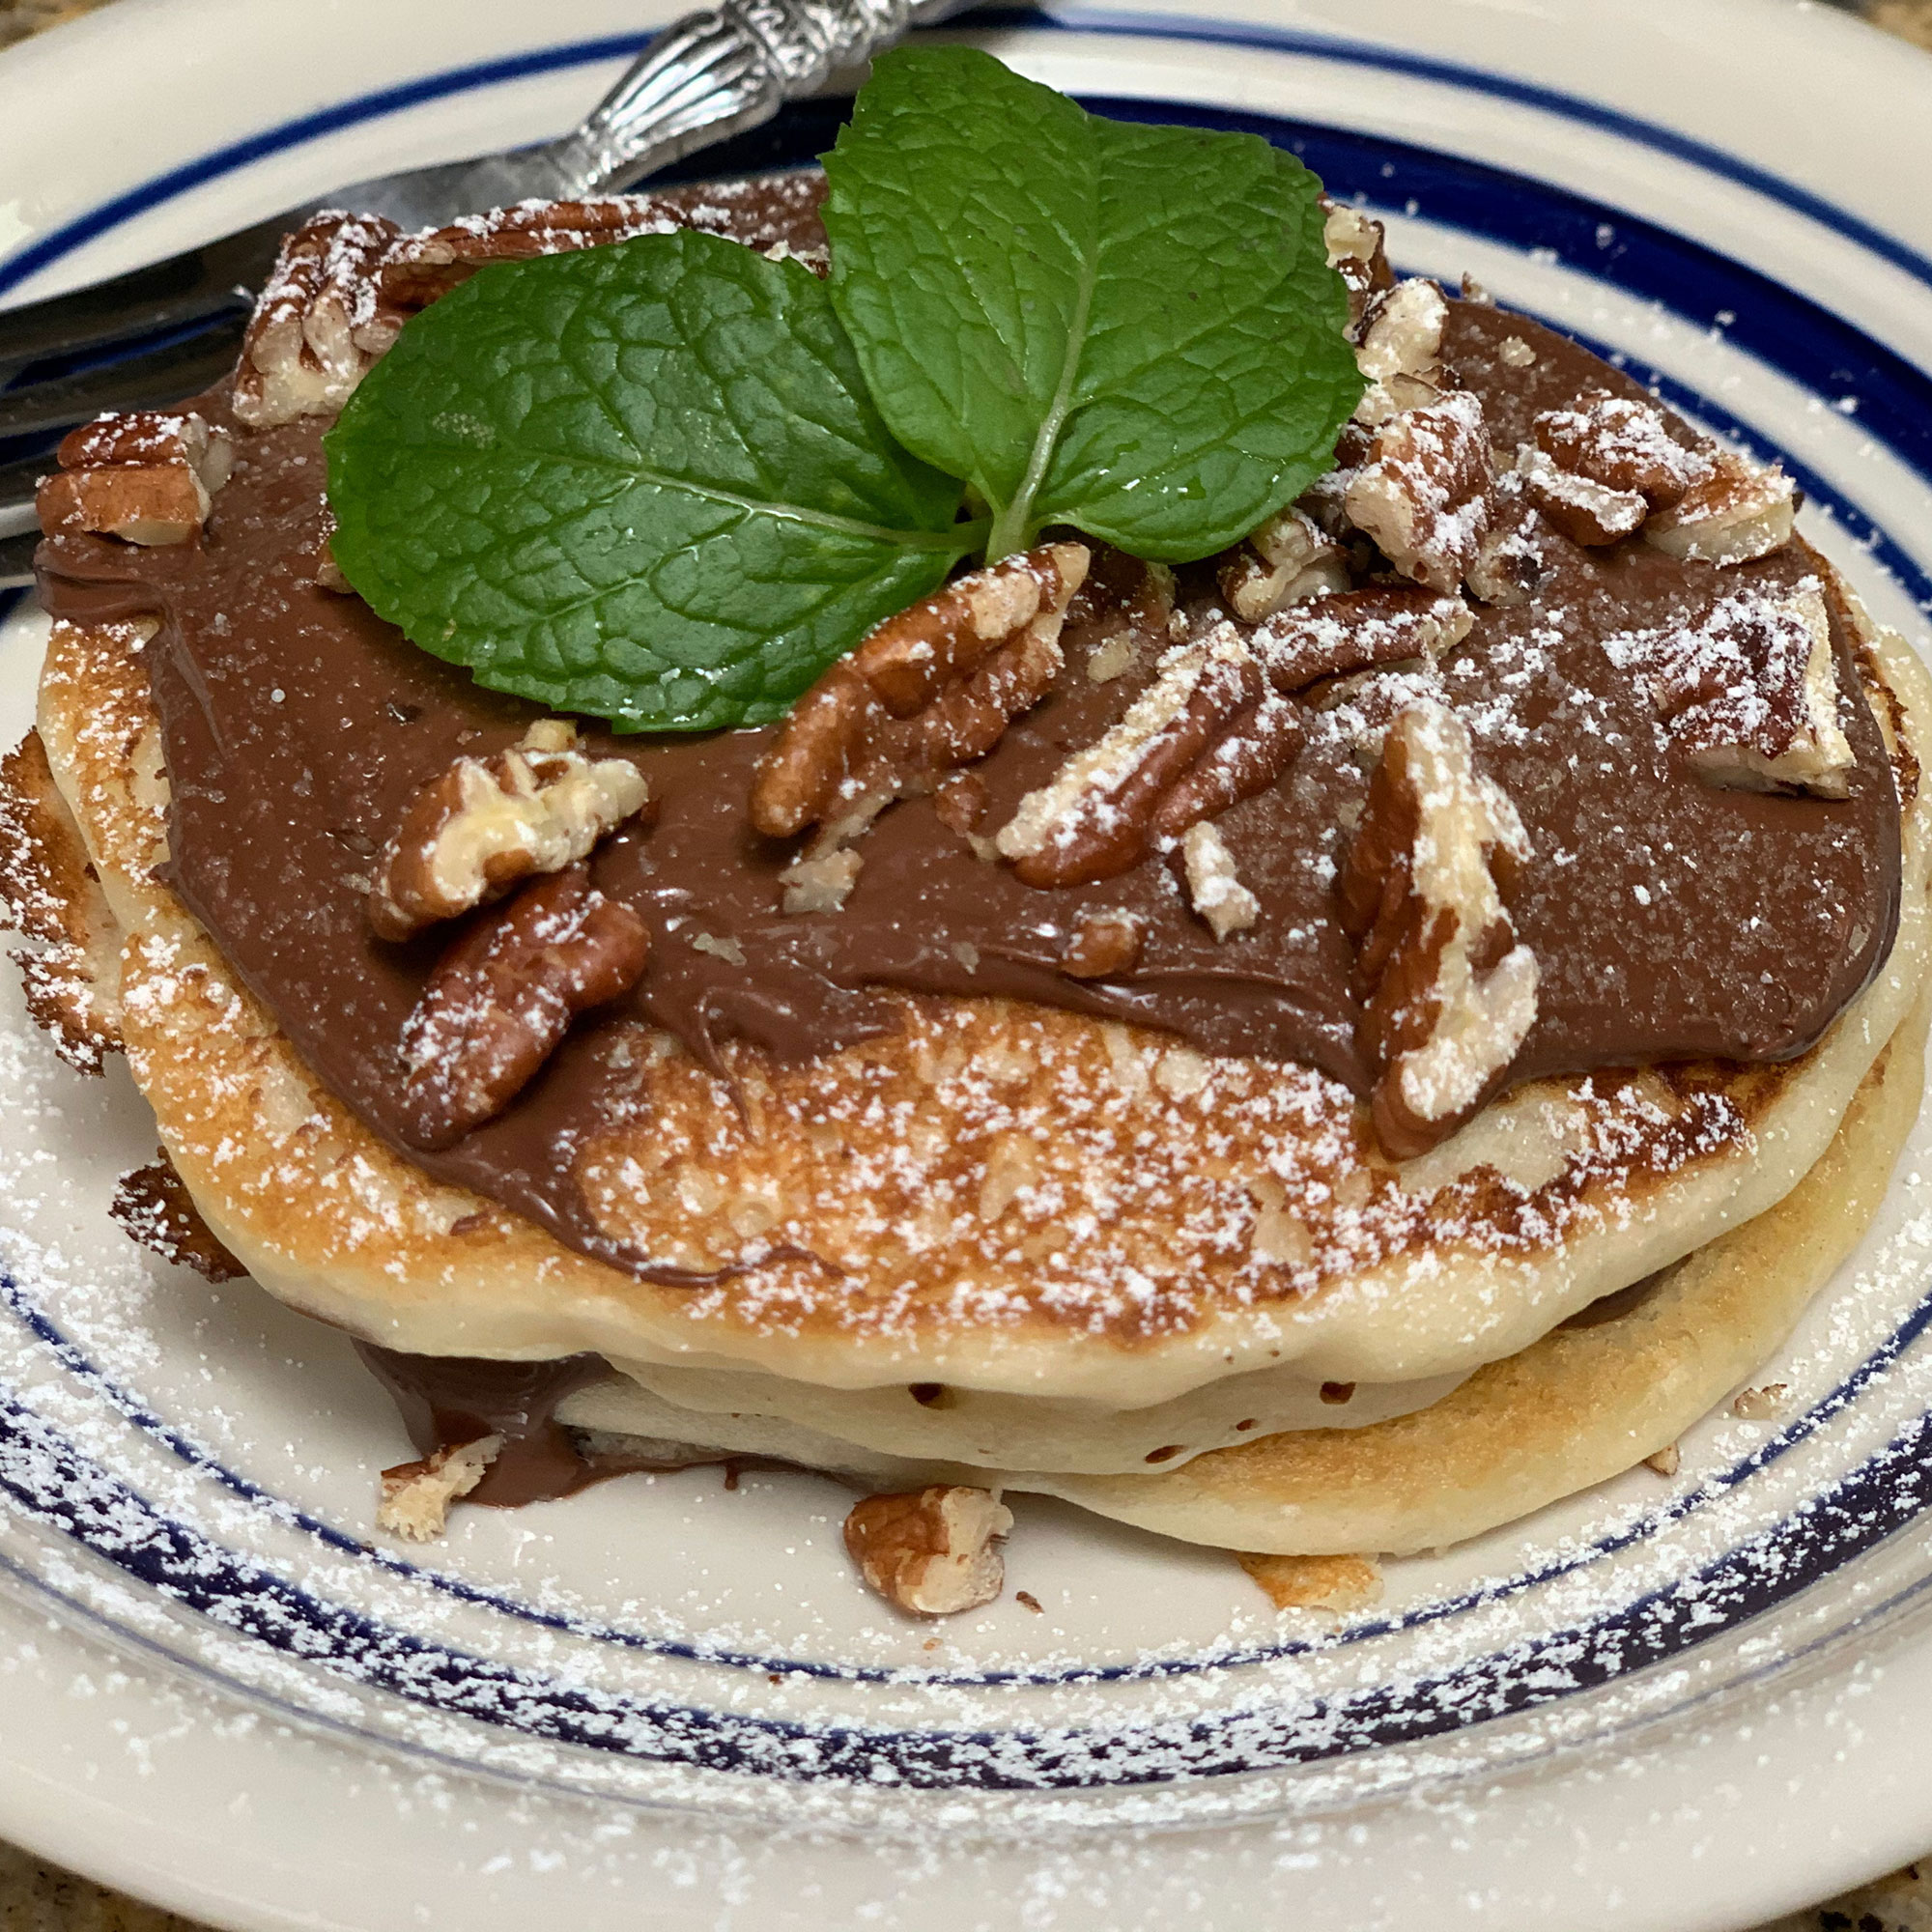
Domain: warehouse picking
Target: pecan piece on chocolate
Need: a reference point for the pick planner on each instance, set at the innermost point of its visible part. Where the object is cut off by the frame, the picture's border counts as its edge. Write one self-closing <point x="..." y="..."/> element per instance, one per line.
<point x="1285" y="560"/>
<point x="1214" y="888"/>
<point x="1095" y="817"/>
<point x="1624" y="446"/>
<point x="1354" y="244"/>
<point x="930" y="688"/>
<point x="1399" y="349"/>
<point x="1751" y="692"/>
<point x="417" y="1496"/>
<point x="144" y="477"/>
<point x="1448" y="994"/>
<point x="321" y="323"/>
<point x="421" y="269"/>
<point x="930" y="1552"/>
<point x="1585" y="511"/>
<point x="503" y="996"/>
<point x="1104" y="943"/>
<point x="1745" y="510"/>
<point x="472" y="831"/>
<point x="1215" y="725"/>
<point x="1427" y="492"/>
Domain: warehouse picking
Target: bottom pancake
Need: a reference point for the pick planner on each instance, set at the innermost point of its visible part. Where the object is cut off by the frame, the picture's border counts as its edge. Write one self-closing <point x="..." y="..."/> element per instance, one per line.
<point x="1585" y="1403"/>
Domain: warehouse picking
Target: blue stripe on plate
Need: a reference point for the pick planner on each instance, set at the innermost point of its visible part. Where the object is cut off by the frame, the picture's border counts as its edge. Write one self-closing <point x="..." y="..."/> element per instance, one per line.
<point x="51" y="1483"/>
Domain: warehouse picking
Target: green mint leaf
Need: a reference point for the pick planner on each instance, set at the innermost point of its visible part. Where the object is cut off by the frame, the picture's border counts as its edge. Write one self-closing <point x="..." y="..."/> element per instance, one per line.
<point x="644" y="482"/>
<point x="1130" y="330"/>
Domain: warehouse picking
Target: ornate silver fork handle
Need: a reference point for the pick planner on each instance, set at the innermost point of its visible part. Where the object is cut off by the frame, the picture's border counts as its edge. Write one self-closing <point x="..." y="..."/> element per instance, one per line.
<point x="706" y="77"/>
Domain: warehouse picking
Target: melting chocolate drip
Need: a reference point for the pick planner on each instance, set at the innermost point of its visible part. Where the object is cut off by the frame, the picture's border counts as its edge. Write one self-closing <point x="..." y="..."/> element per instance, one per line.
<point x="448" y="1400"/>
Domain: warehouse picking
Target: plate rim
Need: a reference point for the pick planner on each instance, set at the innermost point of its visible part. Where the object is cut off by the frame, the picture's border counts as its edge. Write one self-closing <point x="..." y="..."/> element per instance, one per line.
<point x="1141" y="25"/>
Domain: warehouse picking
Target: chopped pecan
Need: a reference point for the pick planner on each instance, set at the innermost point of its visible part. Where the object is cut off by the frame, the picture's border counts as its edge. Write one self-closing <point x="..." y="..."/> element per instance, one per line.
<point x="1514" y="555"/>
<point x="1103" y="943"/>
<point x="472" y="831"/>
<point x="416" y="1496"/>
<point x="1214" y="725"/>
<point x="1354" y="241"/>
<point x="1094" y="816"/>
<point x="1745" y="510"/>
<point x="1381" y="624"/>
<point x="930" y="1552"/>
<point x="1214" y="888"/>
<point x="1622" y="445"/>
<point x="423" y="268"/>
<point x="1448" y="995"/>
<point x="1290" y="558"/>
<point x="1585" y="511"/>
<point x="1399" y="351"/>
<point x="1426" y="494"/>
<point x="321" y="323"/>
<point x="929" y="689"/>
<point x="144" y="477"/>
<point x="1751" y="692"/>
<point x="820" y="881"/>
<point x="503" y="996"/>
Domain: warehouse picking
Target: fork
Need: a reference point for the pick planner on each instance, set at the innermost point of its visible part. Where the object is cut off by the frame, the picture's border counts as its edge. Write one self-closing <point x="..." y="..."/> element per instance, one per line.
<point x="167" y="331"/>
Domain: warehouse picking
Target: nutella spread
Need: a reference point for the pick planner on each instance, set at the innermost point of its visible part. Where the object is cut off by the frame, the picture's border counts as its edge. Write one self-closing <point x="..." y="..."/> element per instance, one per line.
<point x="1670" y="918"/>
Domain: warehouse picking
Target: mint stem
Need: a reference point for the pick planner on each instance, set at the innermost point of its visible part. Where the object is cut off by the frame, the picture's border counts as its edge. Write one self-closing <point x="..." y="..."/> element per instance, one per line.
<point x="1009" y="534"/>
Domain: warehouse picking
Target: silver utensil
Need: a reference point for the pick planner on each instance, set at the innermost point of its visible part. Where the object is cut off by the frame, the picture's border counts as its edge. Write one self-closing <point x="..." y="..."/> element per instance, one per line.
<point x="706" y="77"/>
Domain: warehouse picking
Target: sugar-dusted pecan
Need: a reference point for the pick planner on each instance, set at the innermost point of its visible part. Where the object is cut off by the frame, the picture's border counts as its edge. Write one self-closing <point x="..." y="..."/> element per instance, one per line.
<point x="474" y="829"/>
<point x="1095" y="817"/>
<point x="144" y="477"/>
<point x="1214" y="886"/>
<point x="423" y="268"/>
<point x="1354" y="241"/>
<point x="1399" y="349"/>
<point x="1216" y="724"/>
<point x="1356" y="630"/>
<point x="1102" y="943"/>
<point x="1287" y="559"/>
<point x="417" y="1496"/>
<point x="820" y="881"/>
<point x="1587" y="512"/>
<point x="1624" y="446"/>
<point x="930" y="1551"/>
<point x="321" y="323"/>
<point x="1749" y="692"/>
<point x="930" y="688"/>
<point x="503" y="996"/>
<point x="1427" y="492"/>
<point x="1515" y="554"/>
<point x="1745" y="509"/>
<point x="1448" y="994"/>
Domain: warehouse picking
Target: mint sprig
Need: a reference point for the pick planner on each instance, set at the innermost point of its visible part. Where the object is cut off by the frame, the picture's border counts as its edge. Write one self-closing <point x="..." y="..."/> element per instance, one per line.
<point x="1132" y="330"/>
<point x="668" y="482"/>
<point x="643" y="481"/>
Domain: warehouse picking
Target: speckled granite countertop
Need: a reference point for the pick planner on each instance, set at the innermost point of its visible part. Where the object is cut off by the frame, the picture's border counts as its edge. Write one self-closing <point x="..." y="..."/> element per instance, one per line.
<point x="35" y="1898"/>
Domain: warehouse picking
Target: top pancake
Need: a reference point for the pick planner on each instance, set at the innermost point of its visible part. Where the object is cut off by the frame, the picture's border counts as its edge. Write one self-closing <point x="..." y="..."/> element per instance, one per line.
<point x="1000" y="1195"/>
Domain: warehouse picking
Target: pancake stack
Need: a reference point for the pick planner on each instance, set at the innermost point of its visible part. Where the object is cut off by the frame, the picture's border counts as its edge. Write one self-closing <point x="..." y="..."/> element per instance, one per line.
<point x="1384" y="1030"/>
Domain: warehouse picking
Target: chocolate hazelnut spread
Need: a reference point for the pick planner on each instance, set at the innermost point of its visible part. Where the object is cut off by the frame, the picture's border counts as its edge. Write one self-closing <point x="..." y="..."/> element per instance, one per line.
<point x="1670" y="919"/>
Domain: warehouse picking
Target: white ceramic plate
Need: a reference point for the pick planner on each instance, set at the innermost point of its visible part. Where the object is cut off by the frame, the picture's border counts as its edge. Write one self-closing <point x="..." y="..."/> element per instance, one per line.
<point x="1666" y="1704"/>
